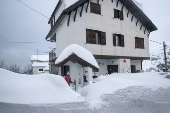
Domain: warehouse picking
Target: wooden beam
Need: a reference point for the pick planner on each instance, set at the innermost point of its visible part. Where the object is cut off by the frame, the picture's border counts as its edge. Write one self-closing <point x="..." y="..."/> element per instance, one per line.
<point x="132" y="18"/>
<point x="141" y="27"/>
<point x="117" y="3"/>
<point x="75" y="14"/>
<point x="137" y="22"/>
<point x="122" y="7"/>
<point x="81" y="10"/>
<point x="68" y="19"/>
<point x="87" y="5"/>
<point x="144" y="30"/>
<point x="128" y="13"/>
<point x="149" y="32"/>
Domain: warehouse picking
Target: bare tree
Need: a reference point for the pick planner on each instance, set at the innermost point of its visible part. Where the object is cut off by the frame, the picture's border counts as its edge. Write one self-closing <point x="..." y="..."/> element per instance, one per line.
<point x="3" y="65"/>
<point x="15" y="68"/>
<point x="27" y="70"/>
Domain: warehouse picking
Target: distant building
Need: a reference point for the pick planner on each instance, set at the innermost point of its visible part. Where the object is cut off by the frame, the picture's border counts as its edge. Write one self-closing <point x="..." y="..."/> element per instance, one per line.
<point x="40" y="63"/>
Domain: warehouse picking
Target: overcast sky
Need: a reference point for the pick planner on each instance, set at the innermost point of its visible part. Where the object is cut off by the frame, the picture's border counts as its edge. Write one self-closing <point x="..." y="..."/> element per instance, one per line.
<point x="20" y="24"/>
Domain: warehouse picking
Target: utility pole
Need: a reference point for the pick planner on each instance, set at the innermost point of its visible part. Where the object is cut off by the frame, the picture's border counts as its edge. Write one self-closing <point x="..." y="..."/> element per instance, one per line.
<point x="37" y="55"/>
<point x="165" y="58"/>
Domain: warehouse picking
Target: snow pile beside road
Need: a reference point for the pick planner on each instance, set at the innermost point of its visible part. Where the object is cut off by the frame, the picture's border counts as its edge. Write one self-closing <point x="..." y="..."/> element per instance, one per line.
<point x="33" y="89"/>
<point x="126" y="87"/>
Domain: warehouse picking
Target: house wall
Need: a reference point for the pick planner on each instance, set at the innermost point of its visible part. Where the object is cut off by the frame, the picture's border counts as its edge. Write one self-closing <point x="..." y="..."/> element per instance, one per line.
<point x="75" y="33"/>
<point x="36" y="69"/>
<point x="137" y="63"/>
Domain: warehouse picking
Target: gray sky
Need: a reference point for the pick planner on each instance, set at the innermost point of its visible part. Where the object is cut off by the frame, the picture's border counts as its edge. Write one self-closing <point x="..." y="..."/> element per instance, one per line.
<point x="19" y="23"/>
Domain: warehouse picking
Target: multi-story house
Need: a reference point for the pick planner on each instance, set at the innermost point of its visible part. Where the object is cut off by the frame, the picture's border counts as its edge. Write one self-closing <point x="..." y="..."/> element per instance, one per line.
<point x="116" y="32"/>
<point x="40" y="63"/>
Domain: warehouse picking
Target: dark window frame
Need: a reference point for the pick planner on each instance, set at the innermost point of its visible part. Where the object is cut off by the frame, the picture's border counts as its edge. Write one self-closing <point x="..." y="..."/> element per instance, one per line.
<point x="95" y="8"/>
<point x="91" y="36"/>
<point x="118" y="14"/>
<point x="121" y="42"/>
<point x="40" y="69"/>
<point x="139" y="43"/>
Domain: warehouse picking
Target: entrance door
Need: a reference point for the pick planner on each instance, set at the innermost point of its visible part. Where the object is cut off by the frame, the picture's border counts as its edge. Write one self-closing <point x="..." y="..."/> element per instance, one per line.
<point x="64" y="70"/>
<point x="112" y="69"/>
<point x="133" y="69"/>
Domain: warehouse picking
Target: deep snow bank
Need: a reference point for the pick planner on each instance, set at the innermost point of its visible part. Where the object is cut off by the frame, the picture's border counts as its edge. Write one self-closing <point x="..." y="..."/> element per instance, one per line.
<point x="125" y="87"/>
<point x="27" y="89"/>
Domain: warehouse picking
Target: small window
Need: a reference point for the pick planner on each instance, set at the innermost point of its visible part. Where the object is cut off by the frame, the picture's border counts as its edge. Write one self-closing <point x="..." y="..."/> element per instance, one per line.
<point x="118" y="14"/>
<point x="40" y="69"/>
<point x="118" y="40"/>
<point x="95" y="8"/>
<point x="139" y="43"/>
<point x="95" y="37"/>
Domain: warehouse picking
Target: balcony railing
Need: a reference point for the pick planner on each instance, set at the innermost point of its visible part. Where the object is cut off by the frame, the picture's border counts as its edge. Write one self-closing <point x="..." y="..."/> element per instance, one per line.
<point x="52" y="55"/>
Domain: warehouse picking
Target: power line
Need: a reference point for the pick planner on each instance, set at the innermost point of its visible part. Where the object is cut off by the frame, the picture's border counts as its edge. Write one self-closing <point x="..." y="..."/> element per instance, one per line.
<point x="33" y="9"/>
<point x="15" y="47"/>
<point x="13" y="56"/>
<point x="24" y="42"/>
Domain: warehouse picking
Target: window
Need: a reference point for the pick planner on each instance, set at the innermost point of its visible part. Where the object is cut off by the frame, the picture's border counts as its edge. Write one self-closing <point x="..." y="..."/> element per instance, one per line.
<point x="118" y="14"/>
<point x="40" y="69"/>
<point x="139" y="43"/>
<point x="95" y="8"/>
<point x="118" y="40"/>
<point x="95" y="37"/>
<point x="64" y="70"/>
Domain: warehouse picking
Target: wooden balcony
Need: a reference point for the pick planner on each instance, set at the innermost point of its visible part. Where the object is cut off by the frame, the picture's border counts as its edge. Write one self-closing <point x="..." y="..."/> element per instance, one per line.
<point x="52" y="55"/>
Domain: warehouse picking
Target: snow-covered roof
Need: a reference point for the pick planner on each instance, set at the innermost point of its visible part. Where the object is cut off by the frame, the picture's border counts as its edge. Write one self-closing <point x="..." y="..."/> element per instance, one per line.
<point x="44" y="89"/>
<point x="38" y="64"/>
<point x="40" y="57"/>
<point x="69" y="3"/>
<point x="138" y="4"/>
<point x="80" y="52"/>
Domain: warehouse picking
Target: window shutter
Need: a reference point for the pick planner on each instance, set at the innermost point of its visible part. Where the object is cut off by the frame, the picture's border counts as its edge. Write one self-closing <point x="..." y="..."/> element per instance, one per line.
<point x="136" y="42"/>
<point x="114" y="39"/>
<point x="93" y="37"/>
<point x="92" y="7"/>
<point x="88" y="36"/>
<point x="121" y="15"/>
<point x="98" y="9"/>
<point x="122" y="40"/>
<point x="115" y="13"/>
<point x="142" y="43"/>
<point x="103" y="38"/>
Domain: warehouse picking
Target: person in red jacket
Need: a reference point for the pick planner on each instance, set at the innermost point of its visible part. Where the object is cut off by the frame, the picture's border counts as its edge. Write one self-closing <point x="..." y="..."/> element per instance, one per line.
<point x="68" y="79"/>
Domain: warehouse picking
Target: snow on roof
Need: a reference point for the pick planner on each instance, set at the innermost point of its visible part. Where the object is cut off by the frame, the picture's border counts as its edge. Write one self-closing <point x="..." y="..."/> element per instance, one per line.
<point x="33" y="89"/>
<point x="69" y="3"/>
<point x="80" y="52"/>
<point x="40" y="57"/>
<point x="138" y="4"/>
<point x="37" y="64"/>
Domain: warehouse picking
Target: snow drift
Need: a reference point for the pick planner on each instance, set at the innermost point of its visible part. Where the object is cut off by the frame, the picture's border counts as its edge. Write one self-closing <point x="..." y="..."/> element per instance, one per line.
<point x="32" y="89"/>
<point x="127" y="87"/>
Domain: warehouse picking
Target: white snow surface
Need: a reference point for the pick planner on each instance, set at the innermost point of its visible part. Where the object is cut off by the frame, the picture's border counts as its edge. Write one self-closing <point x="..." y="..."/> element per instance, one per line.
<point x="34" y="89"/>
<point x="80" y="52"/>
<point x="40" y="57"/>
<point x="134" y="85"/>
<point x="38" y="64"/>
<point x="69" y="3"/>
<point x="138" y="4"/>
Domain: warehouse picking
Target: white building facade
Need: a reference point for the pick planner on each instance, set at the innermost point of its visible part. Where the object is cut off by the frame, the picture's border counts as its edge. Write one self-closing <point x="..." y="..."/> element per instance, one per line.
<point x="116" y="32"/>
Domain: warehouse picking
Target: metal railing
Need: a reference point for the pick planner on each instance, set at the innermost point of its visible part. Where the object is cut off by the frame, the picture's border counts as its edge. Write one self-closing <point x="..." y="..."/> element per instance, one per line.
<point x="52" y="54"/>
